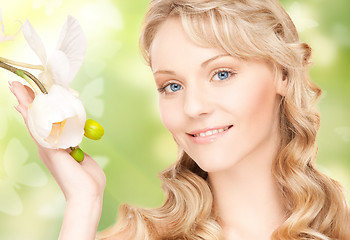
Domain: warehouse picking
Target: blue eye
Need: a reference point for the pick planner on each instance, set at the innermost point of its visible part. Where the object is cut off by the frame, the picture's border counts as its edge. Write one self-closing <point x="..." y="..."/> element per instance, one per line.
<point x="222" y="75"/>
<point x="173" y="87"/>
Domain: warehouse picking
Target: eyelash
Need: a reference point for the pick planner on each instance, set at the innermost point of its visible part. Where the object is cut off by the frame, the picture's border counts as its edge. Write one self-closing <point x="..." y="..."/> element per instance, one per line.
<point x="165" y="85"/>
<point x="230" y="71"/>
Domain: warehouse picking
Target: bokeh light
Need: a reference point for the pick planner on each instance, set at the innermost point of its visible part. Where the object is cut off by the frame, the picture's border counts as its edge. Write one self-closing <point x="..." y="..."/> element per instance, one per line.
<point x="118" y="91"/>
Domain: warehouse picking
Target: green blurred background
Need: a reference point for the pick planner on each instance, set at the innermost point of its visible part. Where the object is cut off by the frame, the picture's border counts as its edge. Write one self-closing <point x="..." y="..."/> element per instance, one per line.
<point x="118" y="91"/>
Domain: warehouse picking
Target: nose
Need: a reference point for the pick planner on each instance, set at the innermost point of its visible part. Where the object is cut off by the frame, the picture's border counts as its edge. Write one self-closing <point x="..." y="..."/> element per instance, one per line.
<point x="197" y="102"/>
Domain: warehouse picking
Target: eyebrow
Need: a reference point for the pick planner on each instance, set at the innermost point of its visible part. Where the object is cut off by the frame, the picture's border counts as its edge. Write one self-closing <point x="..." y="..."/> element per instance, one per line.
<point x="203" y="65"/>
<point x="164" y="72"/>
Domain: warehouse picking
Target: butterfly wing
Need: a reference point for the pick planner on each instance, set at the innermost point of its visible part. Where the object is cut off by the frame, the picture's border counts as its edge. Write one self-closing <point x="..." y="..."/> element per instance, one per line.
<point x="10" y="202"/>
<point x="91" y="97"/>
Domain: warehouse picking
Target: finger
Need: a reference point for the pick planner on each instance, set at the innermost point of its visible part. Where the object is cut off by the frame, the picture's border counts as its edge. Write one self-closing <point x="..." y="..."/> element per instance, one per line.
<point x="58" y="161"/>
<point x="92" y="167"/>
<point x="24" y="96"/>
<point x="23" y="111"/>
<point x="30" y="92"/>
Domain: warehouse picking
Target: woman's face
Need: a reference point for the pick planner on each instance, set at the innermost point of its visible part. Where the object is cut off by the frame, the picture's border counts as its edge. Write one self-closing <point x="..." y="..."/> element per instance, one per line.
<point x="219" y="109"/>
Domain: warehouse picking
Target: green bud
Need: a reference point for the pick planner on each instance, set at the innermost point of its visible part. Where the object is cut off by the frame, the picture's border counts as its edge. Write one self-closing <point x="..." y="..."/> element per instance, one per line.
<point x="20" y="73"/>
<point x="93" y="130"/>
<point x="77" y="154"/>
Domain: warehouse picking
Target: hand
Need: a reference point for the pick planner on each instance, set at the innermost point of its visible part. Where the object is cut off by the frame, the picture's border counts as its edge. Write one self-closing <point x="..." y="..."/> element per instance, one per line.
<point x="78" y="181"/>
<point x="82" y="183"/>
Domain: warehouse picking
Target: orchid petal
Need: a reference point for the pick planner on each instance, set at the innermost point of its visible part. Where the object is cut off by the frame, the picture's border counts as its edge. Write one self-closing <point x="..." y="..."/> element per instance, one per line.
<point x="34" y="41"/>
<point x="72" y="134"/>
<point x="73" y="43"/>
<point x="58" y="66"/>
<point x="46" y="79"/>
<point x="57" y="106"/>
<point x="36" y="132"/>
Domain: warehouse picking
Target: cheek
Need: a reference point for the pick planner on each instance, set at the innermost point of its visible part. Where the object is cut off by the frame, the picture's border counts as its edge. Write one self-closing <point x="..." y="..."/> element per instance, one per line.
<point x="252" y="103"/>
<point x="260" y="100"/>
<point x="170" y="114"/>
<point x="259" y="109"/>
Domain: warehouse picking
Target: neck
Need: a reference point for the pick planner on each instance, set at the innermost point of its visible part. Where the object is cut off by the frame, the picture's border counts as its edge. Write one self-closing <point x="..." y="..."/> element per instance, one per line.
<point x="247" y="198"/>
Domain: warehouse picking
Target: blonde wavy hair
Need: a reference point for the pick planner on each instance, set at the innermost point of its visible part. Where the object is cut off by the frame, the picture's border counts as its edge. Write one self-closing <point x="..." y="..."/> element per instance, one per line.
<point x="247" y="29"/>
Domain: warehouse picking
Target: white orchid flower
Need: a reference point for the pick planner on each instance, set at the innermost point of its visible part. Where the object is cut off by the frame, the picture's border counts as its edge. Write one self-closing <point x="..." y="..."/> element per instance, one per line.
<point x="66" y="60"/>
<point x="56" y="120"/>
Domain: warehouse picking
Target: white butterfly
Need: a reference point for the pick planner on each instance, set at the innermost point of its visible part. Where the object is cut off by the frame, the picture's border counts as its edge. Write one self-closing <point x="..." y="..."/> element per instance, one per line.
<point x="6" y="37"/>
<point x="90" y="96"/>
<point x="17" y="173"/>
<point x="301" y="16"/>
<point x="342" y="34"/>
<point x="3" y="125"/>
<point x="7" y="111"/>
<point x="102" y="161"/>
<point x="343" y="132"/>
<point x="50" y="5"/>
<point x="54" y="208"/>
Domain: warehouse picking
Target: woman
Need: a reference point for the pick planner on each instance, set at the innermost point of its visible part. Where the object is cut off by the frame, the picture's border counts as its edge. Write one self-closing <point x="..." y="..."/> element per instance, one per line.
<point x="234" y="92"/>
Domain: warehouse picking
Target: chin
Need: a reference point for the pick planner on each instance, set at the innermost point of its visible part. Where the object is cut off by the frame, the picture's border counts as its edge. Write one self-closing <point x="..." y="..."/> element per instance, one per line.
<point x="215" y="164"/>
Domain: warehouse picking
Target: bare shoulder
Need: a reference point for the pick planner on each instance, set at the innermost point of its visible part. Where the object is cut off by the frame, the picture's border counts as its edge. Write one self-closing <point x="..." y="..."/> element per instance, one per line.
<point x="124" y="235"/>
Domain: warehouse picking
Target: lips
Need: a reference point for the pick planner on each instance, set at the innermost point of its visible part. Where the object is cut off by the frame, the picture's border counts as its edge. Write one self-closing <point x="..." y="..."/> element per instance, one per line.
<point x="209" y="131"/>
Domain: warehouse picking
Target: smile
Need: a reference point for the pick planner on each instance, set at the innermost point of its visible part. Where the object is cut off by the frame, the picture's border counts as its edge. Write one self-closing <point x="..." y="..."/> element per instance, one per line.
<point x="210" y="132"/>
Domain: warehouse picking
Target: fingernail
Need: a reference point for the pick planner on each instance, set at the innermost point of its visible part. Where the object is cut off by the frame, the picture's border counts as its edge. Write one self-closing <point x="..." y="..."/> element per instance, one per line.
<point x="10" y="84"/>
<point x="17" y="108"/>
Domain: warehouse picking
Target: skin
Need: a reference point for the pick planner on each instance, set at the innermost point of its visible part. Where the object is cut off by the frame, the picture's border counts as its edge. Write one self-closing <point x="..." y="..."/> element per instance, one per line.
<point x="245" y="97"/>
<point x="81" y="183"/>
<point x="205" y="89"/>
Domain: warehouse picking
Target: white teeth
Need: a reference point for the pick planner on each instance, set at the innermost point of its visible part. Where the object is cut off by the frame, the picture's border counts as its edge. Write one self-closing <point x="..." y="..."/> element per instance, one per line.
<point x="211" y="132"/>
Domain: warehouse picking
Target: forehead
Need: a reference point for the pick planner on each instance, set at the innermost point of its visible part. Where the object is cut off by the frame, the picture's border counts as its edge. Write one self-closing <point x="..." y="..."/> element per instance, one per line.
<point x="171" y="45"/>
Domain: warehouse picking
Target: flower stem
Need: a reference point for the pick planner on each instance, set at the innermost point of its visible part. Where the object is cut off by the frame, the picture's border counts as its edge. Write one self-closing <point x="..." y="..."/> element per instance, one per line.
<point x="20" y="64"/>
<point x="25" y="75"/>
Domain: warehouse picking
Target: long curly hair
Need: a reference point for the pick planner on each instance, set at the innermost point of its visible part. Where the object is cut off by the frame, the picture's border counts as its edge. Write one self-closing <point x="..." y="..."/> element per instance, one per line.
<point x="247" y="29"/>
